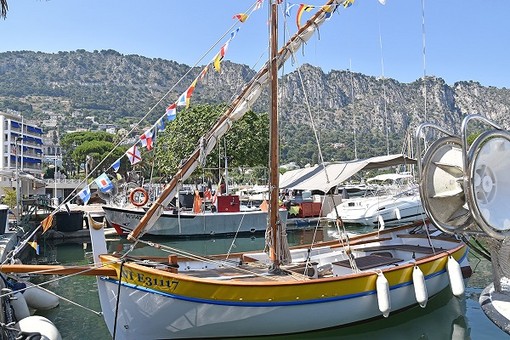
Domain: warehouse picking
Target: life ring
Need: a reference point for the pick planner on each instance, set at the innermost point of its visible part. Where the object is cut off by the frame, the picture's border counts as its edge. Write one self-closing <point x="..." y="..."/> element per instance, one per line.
<point x="136" y="200"/>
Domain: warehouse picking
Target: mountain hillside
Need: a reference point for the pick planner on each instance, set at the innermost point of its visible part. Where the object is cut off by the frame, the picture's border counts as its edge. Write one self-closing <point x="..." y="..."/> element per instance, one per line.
<point x="120" y="89"/>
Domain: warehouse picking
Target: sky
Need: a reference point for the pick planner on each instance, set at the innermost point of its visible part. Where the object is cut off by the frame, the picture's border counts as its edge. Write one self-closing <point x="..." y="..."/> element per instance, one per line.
<point x="464" y="39"/>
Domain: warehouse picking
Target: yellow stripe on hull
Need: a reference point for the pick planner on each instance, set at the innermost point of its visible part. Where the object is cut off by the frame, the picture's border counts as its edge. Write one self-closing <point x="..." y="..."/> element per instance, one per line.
<point x="235" y="291"/>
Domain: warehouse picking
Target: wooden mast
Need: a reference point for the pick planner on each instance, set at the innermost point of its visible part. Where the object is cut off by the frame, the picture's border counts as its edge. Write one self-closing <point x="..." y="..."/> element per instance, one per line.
<point x="274" y="179"/>
<point x="235" y="111"/>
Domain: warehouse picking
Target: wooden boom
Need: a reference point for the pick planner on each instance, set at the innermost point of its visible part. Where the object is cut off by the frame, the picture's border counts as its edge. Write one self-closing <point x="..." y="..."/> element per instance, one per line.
<point x="57" y="270"/>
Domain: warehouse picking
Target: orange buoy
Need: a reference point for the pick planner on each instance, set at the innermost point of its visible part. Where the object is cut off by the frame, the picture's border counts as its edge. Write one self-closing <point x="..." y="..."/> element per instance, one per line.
<point x="139" y="197"/>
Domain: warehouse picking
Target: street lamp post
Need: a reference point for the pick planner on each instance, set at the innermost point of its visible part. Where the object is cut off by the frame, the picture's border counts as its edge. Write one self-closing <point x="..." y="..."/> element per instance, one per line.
<point x="19" y="209"/>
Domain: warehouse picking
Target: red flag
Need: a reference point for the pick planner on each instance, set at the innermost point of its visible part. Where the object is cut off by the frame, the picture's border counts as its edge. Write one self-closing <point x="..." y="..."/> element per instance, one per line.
<point x="146" y="139"/>
<point x="189" y="91"/>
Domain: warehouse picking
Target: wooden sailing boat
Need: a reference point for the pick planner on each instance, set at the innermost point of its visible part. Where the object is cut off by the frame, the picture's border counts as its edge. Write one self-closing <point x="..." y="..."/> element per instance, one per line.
<point x="279" y="292"/>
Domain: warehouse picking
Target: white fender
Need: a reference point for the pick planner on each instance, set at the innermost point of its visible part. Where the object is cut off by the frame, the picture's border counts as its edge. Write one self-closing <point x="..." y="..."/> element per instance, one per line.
<point x="381" y="222"/>
<point x="397" y="214"/>
<point x="38" y="298"/>
<point x="39" y="324"/>
<point x="455" y="274"/>
<point x="20" y="306"/>
<point x="420" y="288"/>
<point x="383" y="294"/>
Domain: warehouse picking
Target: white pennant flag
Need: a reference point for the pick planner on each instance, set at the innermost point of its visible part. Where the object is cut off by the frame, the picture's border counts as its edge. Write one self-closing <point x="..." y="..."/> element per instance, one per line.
<point x="133" y="154"/>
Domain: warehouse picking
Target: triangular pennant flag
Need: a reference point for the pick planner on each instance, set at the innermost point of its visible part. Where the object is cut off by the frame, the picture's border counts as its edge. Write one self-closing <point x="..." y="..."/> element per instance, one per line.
<point x="189" y="92"/>
<point x="182" y="99"/>
<point x="329" y="10"/>
<point x="288" y="7"/>
<point x="133" y="155"/>
<point x="348" y="3"/>
<point x="241" y="17"/>
<point x="219" y="57"/>
<point x="234" y="33"/>
<point x="258" y="5"/>
<point x="47" y="223"/>
<point x="85" y="195"/>
<point x="161" y="124"/>
<point x="103" y="183"/>
<point x="116" y="165"/>
<point x="171" y="112"/>
<point x="146" y="139"/>
<point x="34" y="245"/>
<point x="264" y="206"/>
<point x="202" y="74"/>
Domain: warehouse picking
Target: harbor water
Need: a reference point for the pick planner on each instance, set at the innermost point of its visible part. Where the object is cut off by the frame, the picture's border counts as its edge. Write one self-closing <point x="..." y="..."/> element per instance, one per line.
<point x="445" y="317"/>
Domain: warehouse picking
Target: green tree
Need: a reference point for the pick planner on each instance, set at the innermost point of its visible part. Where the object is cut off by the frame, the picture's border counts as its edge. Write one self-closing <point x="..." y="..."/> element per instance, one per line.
<point x="77" y="147"/>
<point x="246" y="143"/>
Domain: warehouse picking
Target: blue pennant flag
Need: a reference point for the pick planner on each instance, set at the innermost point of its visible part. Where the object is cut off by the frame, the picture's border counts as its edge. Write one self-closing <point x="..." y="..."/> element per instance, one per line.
<point x="116" y="165"/>
<point x="85" y="194"/>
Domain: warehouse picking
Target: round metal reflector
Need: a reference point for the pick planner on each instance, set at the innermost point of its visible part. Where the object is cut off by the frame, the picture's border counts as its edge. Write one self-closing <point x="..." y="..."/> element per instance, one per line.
<point x="441" y="186"/>
<point x="488" y="183"/>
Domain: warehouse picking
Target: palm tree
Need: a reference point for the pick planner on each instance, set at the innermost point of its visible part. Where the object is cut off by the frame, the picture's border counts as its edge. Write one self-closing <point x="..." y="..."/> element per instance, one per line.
<point x="3" y="8"/>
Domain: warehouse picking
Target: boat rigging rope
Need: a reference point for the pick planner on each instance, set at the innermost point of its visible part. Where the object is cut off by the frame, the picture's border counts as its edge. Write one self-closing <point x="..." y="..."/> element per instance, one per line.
<point x="235" y="236"/>
<point x="40" y="285"/>
<point x="338" y="222"/>
<point x="204" y="259"/>
<point x="118" y="300"/>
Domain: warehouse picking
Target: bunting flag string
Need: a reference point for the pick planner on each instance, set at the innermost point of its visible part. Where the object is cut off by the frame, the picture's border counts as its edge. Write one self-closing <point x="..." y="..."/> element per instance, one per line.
<point x="148" y="137"/>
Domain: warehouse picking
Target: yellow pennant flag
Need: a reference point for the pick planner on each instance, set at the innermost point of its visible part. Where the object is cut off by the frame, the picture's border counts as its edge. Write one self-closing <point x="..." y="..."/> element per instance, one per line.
<point x="34" y="245"/>
<point x="219" y="57"/>
<point x="241" y="17"/>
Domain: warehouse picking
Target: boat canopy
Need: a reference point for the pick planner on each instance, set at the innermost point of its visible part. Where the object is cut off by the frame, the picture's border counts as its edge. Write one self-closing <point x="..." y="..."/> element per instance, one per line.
<point x="325" y="176"/>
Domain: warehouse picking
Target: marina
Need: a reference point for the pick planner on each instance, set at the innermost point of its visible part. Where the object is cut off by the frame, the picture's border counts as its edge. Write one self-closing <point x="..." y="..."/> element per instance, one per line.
<point x="448" y="317"/>
<point x="161" y="237"/>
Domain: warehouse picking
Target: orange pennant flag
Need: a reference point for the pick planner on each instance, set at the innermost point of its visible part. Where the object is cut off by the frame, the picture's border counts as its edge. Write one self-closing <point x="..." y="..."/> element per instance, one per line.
<point x="47" y="223"/>
<point x="197" y="203"/>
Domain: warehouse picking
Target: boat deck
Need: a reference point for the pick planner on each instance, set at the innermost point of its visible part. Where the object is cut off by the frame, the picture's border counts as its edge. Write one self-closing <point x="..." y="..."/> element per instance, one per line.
<point x="368" y="262"/>
<point x="249" y="272"/>
<point x="405" y="247"/>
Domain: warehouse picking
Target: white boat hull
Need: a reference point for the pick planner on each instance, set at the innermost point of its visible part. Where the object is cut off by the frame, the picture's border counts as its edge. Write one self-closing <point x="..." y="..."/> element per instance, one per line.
<point x="393" y="211"/>
<point x="190" y="224"/>
<point x="177" y="317"/>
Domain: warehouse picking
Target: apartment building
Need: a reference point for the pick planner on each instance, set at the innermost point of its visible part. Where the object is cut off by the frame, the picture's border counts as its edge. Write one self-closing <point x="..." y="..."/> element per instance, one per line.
<point x="22" y="154"/>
